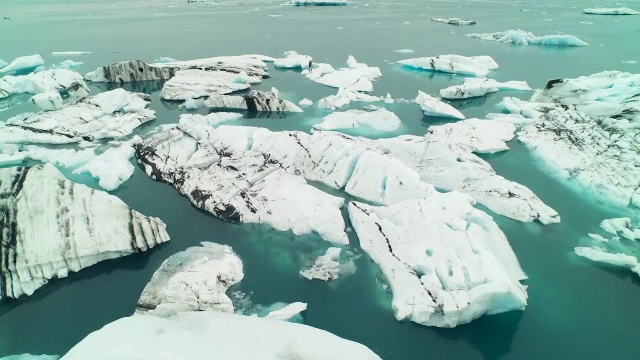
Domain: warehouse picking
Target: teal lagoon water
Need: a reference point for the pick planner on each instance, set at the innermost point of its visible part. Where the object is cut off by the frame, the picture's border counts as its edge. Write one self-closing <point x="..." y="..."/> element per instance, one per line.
<point x="576" y="309"/>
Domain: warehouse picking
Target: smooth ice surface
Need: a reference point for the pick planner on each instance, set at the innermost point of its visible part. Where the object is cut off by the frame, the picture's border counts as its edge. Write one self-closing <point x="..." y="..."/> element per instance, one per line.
<point x="70" y="53"/>
<point x="356" y="76"/>
<point x="22" y="64"/>
<point x="611" y="11"/>
<point x="521" y="37"/>
<point x="326" y="267"/>
<point x="381" y="120"/>
<point x="454" y="21"/>
<point x="455" y="64"/>
<point x="63" y="227"/>
<point x="447" y="262"/>
<point x="476" y="87"/>
<point x="41" y="82"/>
<point x="434" y="107"/>
<point x="196" y="279"/>
<point x="199" y="335"/>
<point x="194" y="83"/>
<point x="288" y="312"/>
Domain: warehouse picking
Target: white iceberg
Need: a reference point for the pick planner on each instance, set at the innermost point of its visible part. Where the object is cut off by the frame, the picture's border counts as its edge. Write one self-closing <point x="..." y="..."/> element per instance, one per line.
<point x="447" y="263"/>
<point x="199" y="336"/>
<point x="47" y="101"/>
<point x="196" y="279"/>
<point x="41" y="82"/>
<point x="455" y="64"/>
<point x="70" y="53"/>
<point x="195" y="83"/>
<point x="598" y="255"/>
<point x="515" y="119"/>
<point x="288" y="312"/>
<point x="405" y="51"/>
<point x="521" y="37"/>
<point x="476" y="87"/>
<point x="305" y="102"/>
<point x="326" y="267"/>
<point x="344" y="97"/>
<point x="254" y="101"/>
<point x="30" y="357"/>
<point x="611" y="11"/>
<point x="22" y="64"/>
<point x="293" y="60"/>
<point x="318" y="2"/>
<point x="356" y="76"/>
<point x="454" y="21"/>
<point x="434" y="107"/>
<point x="380" y="119"/>
<point x="61" y="227"/>
<point x="112" y="167"/>
<point x="213" y="119"/>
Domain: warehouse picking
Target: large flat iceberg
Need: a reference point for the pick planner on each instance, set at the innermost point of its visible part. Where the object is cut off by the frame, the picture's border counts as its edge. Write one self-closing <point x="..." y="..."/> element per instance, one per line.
<point x="447" y="263"/>
<point x="380" y="120"/>
<point x="195" y="83"/>
<point x="521" y="37"/>
<point x="59" y="227"/>
<point x="455" y="64"/>
<point x="454" y="21"/>
<point x="476" y="87"/>
<point x="611" y="11"/>
<point x="356" y="76"/>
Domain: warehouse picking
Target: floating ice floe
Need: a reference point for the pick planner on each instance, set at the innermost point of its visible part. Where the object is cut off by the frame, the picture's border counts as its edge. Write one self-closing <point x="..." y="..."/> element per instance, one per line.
<point x="293" y="60"/>
<point x="317" y="3"/>
<point x="61" y="227"/>
<point x="454" y="21"/>
<point x="356" y="76"/>
<point x="611" y="11"/>
<point x="447" y="263"/>
<point x="196" y="279"/>
<point x="586" y="130"/>
<point x="198" y="335"/>
<point x="253" y="101"/>
<point x="22" y="64"/>
<point x="476" y="87"/>
<point x="380" y="119"/>
<point x="434" y="107"/>
<point x="31" y="357"/>
<point x="195" y="83"/>
<point x="138" y="70"/>
<point x="521" y="37"/>
<point x="405" y="51"/>
<point x="70" y="53"/>
<point x="41" y="82"/>
<point x="305" y="102"/>
<point x="288" y="312"/>
<point x="344" y="97"/>
<point x="616" y="250"/>
<point x="456" y="64"/>
<point x="109" y="115"/>
<point x="326" y="267"/>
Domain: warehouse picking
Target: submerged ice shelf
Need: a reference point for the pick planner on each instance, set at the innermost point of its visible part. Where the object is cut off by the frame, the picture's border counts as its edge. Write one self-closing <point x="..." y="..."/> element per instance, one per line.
<point x="61" y="227"/>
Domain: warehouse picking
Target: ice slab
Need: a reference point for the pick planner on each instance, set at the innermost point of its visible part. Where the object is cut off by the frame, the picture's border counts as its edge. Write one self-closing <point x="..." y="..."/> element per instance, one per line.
<point x="199" y="336"/>
<point x="611" y="11"/>
<point x="195" y="83"/>
<point x="380" y="120"/>
<point x="22" y="64"/>
<point x="454" y="21"/>
<point x="521" y="37"/>
<point x="293" y="60"/>
<point x="356" y="76"/>
<point x="476" y="87"/>
<point x="344" y="97"/>
<point x="61" y="227"/>
<point x="326" y="267"/>
<point x="41" y="82"/>
<point x="318" y="2"/>
<point x="456" y="64"/>
<point x="447" y="263"/>
<point x="434" y="107"/>
<point x="288" y="312"/>
<point x="70" y="53"/>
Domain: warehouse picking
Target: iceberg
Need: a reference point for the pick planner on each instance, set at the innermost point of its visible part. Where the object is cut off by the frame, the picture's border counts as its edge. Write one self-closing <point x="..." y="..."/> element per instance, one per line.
<point x="380" y="119"/>
<point x="598" y="255"/>
<point x="447" y="263"/>
<point x="196" y="279"/>
<point x="41" y="82"/>
<point x="476" y="87"/>
<point x="356" y="76"/>
<point x="138" y="70"/>
<point x="515" y="119"/>
<point x="31" y="357"/>
<point x="405" y="51"/>
<point x="586" y="131"/>
<point x="344" y="97"/>
<point x="318" y="3"/>
<point x="22" y="64"/>
<point x="70" y="53"/>
<point x="305" y="102"/>
<point x="326" y="267"/>
<point x="455" y="64"/>
<point x="195" y="83"/>
<point x="47" y="101"/>
<point x="113" y="114"/>
<point x="213" y="119"/>
<point x="434" y="107"/>
<point x="198" y="335"/>
<point x="69" y="64"/>
<point x="59" y="226"/>
<point x="288" y="312"/>
<point x="254" y="101"/>
<point x="611" y="11"/>
<point x="293" y="60"/>
<point x="454" y="21"/>
<point x="521" y="37"/>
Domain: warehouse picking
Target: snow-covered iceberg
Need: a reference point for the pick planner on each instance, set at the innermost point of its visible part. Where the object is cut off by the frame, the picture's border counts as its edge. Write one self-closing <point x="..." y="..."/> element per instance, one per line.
<point x="476" y="87"/>
<point x="435" y="107"/>
<point x="293" y="60"/>
<point x="356" y="76"/>
<point x="344" y="97"/>
<point x="521" y="37"/>
<point x="326" y="267"/>
<point x="611" y="11"/>
<point x="586" y="130"/>
<point x="113" y="114"/>
<point x="253" y="101"/>
<point x="318" y="2"/>
<point x="196" y="279"/>
<point x="199" y="335"/>
<point x="380" y="119"/>
<point x="195" y="83"/>
<point x="447" y="263"/>
<point x="455" y="64"/>
<point x="41" y="82"/>
<point x="22" y="64"/>
<point x="58" y="227"/>
<point x="454" y="21"/>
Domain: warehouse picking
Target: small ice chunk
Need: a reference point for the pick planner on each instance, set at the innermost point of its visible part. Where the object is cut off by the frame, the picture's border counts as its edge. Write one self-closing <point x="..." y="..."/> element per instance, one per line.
<point x="22" y="64"/>
<point x="47" y="101"/>
<point x="405" y="51"/>
<point x="318" y="3"/>
<point x="70" y="53"/>
<point x="326" y="267"/>
<point x="454" y="21"/>
<point x="241" y="78"/>
<point x="476" y="87"/>
<point x="613" y="226"/>
<point x="293" y="60"/>
<point x="380" y="119"/>
<point x="305" y="102"/>
<point x="344" y="97"/>
<point x="611" y="11"/>
<point x="286" y="313"/>
<point x="434" y="107"/>
<point x="521" y="37"/>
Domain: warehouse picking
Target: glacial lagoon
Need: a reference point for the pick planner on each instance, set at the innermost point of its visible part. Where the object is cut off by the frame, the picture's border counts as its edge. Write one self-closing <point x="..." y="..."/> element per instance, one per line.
<point x="576" y="308"/>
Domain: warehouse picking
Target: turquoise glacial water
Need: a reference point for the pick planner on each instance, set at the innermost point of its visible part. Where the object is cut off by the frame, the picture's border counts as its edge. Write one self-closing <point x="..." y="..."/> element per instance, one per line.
<point x="576" y="309"/>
